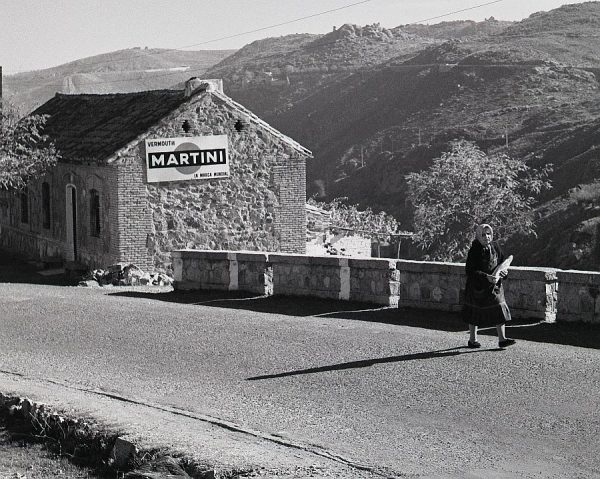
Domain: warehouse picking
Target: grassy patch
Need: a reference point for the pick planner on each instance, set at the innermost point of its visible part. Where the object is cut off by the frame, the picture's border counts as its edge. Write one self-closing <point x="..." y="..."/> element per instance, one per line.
<point x="21" y="459"/>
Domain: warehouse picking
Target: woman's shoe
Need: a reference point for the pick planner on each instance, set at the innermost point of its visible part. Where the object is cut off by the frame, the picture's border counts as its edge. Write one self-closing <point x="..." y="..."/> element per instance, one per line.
<point x="473" y="344"/>
<point x="507" y="342"/>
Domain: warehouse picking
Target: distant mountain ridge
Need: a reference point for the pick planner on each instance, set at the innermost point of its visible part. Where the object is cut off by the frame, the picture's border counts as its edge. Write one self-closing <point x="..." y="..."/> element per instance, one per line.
<point x="133" y="69"/>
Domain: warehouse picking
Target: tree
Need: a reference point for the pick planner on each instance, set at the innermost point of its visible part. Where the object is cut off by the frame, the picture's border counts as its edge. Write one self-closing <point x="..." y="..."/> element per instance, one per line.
<point x="25" y="152"/>
<point x="466" y="187"/>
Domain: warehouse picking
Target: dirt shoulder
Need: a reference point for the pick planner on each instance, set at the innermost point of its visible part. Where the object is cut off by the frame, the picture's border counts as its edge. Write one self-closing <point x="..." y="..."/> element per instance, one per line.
<point x="230" y="450"/>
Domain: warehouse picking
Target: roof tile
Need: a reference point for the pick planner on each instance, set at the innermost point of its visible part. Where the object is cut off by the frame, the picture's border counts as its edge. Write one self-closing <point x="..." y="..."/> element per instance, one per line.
<point x="92" y="127"/>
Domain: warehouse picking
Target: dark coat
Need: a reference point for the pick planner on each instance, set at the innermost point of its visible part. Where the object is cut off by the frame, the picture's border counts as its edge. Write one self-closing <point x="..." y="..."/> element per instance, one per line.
<point x="484" y="303"/>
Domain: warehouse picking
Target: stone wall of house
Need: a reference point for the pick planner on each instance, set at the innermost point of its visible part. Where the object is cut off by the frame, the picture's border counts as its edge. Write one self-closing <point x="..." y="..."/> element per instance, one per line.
<point x="541" y="293"/>
<point x="38" y="240"/>
<point x="260" y="207"/>
<point x="133" y="214"/>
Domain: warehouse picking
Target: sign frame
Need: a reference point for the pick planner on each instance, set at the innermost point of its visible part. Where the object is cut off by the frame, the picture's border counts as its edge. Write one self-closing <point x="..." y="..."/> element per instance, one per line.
<point x="187" y="158"/>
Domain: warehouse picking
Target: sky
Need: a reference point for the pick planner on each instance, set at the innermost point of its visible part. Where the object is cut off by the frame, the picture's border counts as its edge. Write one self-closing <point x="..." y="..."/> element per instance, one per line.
<point x="37" y="34"/>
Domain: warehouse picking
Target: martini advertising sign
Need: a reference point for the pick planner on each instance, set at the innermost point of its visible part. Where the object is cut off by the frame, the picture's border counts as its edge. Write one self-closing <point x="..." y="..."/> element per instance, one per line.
<point x="188" y="158"/>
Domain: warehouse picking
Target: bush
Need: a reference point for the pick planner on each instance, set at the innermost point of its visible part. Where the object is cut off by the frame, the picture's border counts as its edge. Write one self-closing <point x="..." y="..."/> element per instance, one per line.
<point x="466" y="187"/>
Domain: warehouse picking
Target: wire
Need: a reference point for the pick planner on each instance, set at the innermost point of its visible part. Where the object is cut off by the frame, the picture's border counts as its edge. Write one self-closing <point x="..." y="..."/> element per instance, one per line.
<point x="407" y="66"/>
<point x="231" y="36"/>
<point x="281" y="24"/>
<point x="457" y="11"/>
<point x="262" y="29"/>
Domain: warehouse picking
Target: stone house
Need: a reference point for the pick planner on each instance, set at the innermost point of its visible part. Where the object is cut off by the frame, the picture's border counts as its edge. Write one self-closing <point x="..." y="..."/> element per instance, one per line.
<point x="113" y="198"/>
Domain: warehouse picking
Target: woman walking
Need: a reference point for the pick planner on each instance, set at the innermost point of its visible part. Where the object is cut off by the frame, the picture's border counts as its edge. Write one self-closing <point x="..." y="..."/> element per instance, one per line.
<point x="484" y="304"/>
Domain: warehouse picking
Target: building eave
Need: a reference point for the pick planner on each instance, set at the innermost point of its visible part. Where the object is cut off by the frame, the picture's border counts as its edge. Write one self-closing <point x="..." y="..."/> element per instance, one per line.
<point x="253" y="118"/>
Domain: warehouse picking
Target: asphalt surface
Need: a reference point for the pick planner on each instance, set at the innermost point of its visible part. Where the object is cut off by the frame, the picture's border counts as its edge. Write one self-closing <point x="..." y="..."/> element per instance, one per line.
<point x="389" y="391"/>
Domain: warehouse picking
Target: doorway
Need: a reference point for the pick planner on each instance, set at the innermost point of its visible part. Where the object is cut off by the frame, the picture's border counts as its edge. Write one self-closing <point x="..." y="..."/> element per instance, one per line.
<point x="71" y="222"/>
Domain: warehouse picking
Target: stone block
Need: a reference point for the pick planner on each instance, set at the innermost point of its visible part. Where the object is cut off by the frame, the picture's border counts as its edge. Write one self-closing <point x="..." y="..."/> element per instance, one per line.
<point x="198" y="254"/>
<point x="122" y="453"/>
<point x="277" y="258"/>
<point x="373" y="263"/>
<point x="177" y="262"/>
<point x="330" y="261"/>
<point x="578" y="277"/>
<point x="252" y="257"/>
<point x="532" y="274"/>
<point x="409" y="266"/>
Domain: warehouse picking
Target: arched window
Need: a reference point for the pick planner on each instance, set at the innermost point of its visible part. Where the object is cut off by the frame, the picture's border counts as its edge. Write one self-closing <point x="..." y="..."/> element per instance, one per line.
<point x="94" y="213"/>
<point x="25" y="205"/>
<point x="46" y="205"/>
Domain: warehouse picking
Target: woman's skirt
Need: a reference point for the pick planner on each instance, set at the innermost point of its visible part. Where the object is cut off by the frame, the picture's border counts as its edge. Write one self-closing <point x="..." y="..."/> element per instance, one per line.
<point x="485" y="307"/>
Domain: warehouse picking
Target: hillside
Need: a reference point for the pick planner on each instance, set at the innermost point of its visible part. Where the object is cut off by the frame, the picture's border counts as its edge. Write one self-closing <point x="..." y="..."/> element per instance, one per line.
<point x="568" y="34"/>
<point x="535" y="80"/>
<point x="122" y="71"/>
<point x="270" y="76"/>
<point x="460" y="29"/>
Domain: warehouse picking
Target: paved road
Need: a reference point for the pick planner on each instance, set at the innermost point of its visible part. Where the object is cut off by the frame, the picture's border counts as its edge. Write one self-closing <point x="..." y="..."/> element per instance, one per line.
<point x="390" y="390"/>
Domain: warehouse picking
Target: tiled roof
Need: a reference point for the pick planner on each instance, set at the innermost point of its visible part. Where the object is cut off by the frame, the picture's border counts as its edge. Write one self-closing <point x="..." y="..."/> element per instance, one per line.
<point x="92" y="127"/>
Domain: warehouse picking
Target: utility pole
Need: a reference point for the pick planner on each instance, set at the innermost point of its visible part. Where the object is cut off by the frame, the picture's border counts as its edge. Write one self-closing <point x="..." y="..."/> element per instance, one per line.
<point x="506" y="136"/>
<point x="419" y="136"/>
<point x="362" y="158"/>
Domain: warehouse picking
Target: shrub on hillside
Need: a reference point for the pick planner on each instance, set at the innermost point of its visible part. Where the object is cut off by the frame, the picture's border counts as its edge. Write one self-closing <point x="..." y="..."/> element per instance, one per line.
<point x="465" y="187"/>
<point x="588" y="193"/>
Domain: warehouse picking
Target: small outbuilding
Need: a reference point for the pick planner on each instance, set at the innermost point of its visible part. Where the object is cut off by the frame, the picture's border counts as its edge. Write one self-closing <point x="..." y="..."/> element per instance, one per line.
<point x="142" y="174"/>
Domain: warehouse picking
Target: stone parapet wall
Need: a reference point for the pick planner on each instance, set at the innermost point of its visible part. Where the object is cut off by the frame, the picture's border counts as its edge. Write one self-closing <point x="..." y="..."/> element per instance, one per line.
<point x="532" y="292"/>
<point x="431" y="285"/>
<point x="578" y="296"/>
<point x="300" y="275"/>
<point x="543" y="293"/>
<point x="254" y="272"/>
<point x="374" y="281"/>
<point x="194" y="269"/>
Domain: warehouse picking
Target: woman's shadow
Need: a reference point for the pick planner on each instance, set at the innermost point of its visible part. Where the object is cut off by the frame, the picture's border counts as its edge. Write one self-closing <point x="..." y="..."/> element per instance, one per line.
<point x="440" y="353"/>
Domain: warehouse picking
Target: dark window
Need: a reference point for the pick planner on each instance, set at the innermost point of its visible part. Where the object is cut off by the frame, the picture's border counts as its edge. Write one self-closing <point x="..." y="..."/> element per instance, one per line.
<point x="46" y="205"/>
<point x="239" y="125"/>
<point x="94" y="213"/>
<point x="25" y="206"/>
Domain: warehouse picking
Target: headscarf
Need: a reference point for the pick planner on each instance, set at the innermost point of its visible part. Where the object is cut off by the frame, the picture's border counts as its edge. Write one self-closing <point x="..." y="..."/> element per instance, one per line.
<point x="479" y="232"/>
